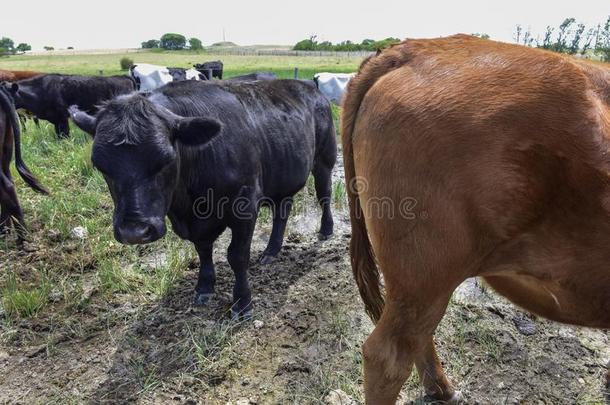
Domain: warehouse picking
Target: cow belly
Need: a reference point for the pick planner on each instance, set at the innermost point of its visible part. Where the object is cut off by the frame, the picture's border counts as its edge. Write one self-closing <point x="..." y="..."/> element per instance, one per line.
<point x="585" y="307"/>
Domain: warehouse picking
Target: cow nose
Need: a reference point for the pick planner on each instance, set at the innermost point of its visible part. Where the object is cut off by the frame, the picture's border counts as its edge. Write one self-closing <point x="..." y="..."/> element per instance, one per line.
<point x="135" y="232"/>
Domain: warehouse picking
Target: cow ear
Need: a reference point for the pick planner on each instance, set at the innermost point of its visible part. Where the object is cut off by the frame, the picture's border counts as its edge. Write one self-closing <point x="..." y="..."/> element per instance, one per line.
<point x="196" y="131"/>
<point x="83" y="120"/>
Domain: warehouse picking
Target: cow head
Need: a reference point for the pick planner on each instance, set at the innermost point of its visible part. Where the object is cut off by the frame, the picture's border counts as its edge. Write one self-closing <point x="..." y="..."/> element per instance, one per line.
<point x="23" y="95"/>
<point x="136" y="149"/>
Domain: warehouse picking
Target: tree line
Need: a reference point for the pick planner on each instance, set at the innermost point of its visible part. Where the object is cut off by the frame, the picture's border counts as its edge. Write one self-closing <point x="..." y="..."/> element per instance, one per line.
<point x="311" y="44"/>
<point x="570" y="37"/>
<point x="7" y="47"/>
<point x="173" y="42"/>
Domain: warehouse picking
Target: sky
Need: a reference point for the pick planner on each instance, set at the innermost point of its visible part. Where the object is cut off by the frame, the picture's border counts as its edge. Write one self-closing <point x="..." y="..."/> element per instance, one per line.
<point x="125" y="24"/>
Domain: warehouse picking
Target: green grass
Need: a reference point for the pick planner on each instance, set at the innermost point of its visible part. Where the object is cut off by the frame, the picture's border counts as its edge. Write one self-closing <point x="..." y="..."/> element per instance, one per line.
<point x="21" y="300"/>
<point x="234" y="65"/>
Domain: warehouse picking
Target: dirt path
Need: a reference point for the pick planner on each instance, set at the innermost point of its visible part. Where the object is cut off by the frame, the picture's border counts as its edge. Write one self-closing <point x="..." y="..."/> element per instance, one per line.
<point x="304" y="341"/>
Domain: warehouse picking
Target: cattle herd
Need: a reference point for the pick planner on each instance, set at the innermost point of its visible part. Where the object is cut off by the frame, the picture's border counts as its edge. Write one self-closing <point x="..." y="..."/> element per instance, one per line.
<point x="500" y="151"/>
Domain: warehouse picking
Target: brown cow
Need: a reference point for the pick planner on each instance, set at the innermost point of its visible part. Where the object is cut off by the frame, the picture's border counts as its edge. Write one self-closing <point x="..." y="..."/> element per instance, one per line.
<point x="502" y="155"/>
<point x="14" y="75"/>
<point x="10" y="211"/>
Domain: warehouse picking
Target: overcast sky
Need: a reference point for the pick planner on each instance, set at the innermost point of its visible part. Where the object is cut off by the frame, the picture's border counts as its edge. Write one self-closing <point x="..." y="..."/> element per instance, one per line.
<point x="121" y="24"/>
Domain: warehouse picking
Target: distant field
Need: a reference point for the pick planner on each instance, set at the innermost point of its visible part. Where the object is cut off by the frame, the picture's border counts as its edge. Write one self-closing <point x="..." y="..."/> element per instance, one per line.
<point x="86" y="64"/>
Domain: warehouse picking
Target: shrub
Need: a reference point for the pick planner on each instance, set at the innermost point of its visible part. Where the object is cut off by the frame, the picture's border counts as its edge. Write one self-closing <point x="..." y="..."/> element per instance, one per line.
<point x="126" y="63"/>
<point x="195" y="44"/>
<point x="150" y="44"/>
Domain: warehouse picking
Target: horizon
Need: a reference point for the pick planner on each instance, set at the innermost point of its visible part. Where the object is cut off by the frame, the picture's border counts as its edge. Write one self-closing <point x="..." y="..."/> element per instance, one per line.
<point x="72" y="25"/>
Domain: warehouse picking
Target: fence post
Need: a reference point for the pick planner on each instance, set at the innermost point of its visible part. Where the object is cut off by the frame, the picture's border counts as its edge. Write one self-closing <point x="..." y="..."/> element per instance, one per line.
<point x="296" y="72"/>
<point x="210" y="72"/>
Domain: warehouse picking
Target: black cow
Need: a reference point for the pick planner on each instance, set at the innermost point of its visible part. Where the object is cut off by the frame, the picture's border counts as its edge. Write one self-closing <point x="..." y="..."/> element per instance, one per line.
<point x="208" y="155"/>
<point x="250" y="77"/>
<point x="216" y="66"/>
<point x="49" y="96"/>
<point x="177" y="74"/>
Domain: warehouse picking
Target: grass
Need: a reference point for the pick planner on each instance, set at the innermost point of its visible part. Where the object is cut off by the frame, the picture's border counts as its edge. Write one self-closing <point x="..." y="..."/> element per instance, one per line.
<point x="234" y="65"/>
<point x="212" y="350"/>
<point x="20" y="300"/>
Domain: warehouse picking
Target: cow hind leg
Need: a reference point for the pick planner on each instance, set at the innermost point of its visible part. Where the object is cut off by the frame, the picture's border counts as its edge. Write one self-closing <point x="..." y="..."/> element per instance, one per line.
<point x="323" y="183"/>
<point x="281" y="212"/>
<point x="238" y="255"/>
<point x="431" y="375"/>
<point x="11" y="211"/>
<point x="399" y="341"/>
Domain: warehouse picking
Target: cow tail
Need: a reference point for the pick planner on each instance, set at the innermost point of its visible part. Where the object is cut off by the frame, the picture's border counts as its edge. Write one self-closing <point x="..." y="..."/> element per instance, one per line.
<point x="364" y="264"/>
<point x="7" y="105"/>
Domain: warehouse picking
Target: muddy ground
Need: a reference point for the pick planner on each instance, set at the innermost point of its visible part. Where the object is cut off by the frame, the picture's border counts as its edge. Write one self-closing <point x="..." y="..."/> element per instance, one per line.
<point x="303" y="343"/>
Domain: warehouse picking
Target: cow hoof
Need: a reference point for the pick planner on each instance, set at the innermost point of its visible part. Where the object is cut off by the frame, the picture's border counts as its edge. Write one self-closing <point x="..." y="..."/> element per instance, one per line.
<point x="267" y="259"/>
<point x="323" y="237"/>
<point x="456" y="398"/>
<point x="202" y="299"/>
<point x="243" y="315"/>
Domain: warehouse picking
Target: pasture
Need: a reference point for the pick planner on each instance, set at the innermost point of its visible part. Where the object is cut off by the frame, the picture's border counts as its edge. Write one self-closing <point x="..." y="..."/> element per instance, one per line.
<point x="83" y="318"/>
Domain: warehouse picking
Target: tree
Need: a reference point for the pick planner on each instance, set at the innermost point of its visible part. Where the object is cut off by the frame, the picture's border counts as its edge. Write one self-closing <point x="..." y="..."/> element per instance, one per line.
<point x="575" y="45"/>
<point x="195" y="44"/>
<point x="562" y="36"/>
<point x="8" y="45"/>
<point x="547" y="41"/>
<point x="591" y="35"/>
<point x="23" y="47"/>
<point x="528" y="39"/>
<point x="151" y="43"/>
<point x="602" y="46"/>
<point x="173" y="42"/>
<point x="517" y="34"/>
<point x="307" y="44"/>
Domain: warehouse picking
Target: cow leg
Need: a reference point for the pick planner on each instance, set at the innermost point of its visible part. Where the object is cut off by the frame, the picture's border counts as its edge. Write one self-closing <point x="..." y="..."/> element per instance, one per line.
<point x="323" y="185"/>
<point x="11" y="211"/>
<point x="402" y="337"/>
<point x="207" y="273"/>
<point x="238" y="256"/>
<point x="62" y="128"/>
<point x="431" y="375"/>
<point x="22" y="120"/>
<point x="281" y="212"/>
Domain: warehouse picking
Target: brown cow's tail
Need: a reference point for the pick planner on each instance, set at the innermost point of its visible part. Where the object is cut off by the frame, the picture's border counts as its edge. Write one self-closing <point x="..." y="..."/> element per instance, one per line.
<point x="7" y="105"/>
<point x="363" y="261"/>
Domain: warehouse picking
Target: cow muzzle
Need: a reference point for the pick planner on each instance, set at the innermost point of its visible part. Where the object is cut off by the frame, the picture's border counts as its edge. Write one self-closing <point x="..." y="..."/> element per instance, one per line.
<point x="139" y="232"/>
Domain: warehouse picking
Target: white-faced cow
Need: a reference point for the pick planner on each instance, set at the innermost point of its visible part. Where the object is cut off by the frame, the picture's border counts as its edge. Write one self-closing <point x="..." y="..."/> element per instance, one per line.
<point x="496" y="159"/>
<point x="333" y="85"/>
<point x="208" y="155"/>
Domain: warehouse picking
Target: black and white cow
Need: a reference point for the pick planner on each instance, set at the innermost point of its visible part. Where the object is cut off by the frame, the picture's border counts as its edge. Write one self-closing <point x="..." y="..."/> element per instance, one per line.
<point x="149" y="77"/>
<point x="208" y="155"/>
<point x="49" y="96"/>
<point x="333" y="85"/>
